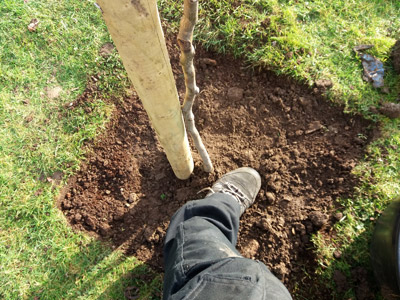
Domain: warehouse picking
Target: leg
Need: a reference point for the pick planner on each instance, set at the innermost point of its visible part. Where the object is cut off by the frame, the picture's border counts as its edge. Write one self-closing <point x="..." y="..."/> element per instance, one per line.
<point x="201" y="261"/>
<point x="200" y="233"/>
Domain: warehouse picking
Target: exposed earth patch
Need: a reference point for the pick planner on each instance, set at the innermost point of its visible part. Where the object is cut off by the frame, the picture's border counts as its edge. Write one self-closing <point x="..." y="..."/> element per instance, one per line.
<point x="303" y="146"/>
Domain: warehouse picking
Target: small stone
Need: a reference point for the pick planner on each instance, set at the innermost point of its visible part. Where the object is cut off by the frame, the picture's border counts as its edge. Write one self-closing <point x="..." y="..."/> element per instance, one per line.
<point x="235" y="94"/>
<point x="133" y="197"/>
<point x="108" y="192"/>
<point x="299" y="132"/>
<point x="270" y="197"/>
<point x="337" y="254"/>
<point x="338" y="216"/>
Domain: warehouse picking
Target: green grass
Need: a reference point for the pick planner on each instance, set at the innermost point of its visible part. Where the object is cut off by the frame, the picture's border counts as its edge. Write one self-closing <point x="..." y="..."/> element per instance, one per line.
<point x="309" y="40"/>
<point x="40" y="255"/>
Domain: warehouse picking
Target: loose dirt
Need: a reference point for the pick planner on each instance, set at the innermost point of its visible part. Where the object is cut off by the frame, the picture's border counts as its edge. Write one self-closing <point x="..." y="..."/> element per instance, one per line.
<point x="303" y="146"/>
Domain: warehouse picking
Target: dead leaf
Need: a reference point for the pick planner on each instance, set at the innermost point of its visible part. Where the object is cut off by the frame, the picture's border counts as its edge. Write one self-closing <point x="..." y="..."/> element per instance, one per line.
<point x="33" y="25"/>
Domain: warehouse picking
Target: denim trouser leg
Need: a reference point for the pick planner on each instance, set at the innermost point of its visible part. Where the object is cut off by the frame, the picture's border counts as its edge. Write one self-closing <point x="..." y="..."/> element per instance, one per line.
<point x="201" y="261"/>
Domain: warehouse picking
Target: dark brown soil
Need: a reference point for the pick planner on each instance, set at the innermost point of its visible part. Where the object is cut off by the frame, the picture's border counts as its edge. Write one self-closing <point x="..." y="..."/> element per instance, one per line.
<point x="304" y="147"/>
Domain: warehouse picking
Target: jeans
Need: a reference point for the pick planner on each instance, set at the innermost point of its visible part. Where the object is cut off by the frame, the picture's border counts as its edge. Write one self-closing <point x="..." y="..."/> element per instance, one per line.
<point x="201" y="261"/>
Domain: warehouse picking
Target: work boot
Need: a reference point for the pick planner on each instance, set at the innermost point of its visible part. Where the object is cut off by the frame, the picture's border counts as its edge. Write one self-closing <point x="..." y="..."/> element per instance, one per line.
<point x="243" y="184"/>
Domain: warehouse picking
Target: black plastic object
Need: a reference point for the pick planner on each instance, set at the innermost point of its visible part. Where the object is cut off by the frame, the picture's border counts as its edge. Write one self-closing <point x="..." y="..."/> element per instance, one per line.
<point x="385" y="249"/>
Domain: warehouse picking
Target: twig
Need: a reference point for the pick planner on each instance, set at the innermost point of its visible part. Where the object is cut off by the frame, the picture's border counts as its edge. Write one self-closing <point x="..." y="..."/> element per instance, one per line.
<point x="185" y="38"/>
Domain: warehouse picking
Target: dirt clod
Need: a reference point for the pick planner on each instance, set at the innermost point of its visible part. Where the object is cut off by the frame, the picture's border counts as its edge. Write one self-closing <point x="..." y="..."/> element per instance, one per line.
<point x="318" y="218"/>
<point x="323" y="83"/>
<point x="396" y="56"/>
<point x="235" y="94"/>
<point x="208" y="61"/>
<point x="391" y="110"/>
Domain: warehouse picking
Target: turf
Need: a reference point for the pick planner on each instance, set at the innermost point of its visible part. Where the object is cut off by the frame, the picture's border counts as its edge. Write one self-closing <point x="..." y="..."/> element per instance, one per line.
<point x="42" y="141"/>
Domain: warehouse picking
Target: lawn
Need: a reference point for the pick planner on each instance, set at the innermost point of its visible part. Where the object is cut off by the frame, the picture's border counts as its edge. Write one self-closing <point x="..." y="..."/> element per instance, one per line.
<point x="42" y="142"/>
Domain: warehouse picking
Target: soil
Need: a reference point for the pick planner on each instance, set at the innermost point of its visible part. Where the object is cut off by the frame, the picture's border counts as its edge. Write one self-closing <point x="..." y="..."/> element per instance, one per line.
<point x="303" y="146"/>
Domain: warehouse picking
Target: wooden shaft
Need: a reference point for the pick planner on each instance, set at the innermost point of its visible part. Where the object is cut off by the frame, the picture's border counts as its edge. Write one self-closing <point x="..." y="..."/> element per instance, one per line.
<point x="135" y="28"/>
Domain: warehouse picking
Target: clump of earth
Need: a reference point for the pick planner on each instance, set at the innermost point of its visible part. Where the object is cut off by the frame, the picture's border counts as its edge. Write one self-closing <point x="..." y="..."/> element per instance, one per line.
<point x="304" y="147"/>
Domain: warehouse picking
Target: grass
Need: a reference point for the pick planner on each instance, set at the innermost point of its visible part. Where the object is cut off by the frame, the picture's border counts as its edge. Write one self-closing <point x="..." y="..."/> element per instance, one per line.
<point x="41" y="257"/>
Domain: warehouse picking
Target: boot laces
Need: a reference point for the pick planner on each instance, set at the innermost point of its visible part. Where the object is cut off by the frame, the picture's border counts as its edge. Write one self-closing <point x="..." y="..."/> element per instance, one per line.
<point x="230" y="189"/>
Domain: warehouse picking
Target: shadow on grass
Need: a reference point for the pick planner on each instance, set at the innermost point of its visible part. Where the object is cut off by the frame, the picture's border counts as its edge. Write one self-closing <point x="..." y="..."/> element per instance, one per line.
<point x="350" y="276"/>
<point x="96" y="272"/>
<point x="140" y="283"/>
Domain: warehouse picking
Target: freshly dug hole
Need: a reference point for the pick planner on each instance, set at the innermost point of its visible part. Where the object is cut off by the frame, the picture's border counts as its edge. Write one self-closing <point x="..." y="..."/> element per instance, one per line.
<point x="304" y="148"/>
